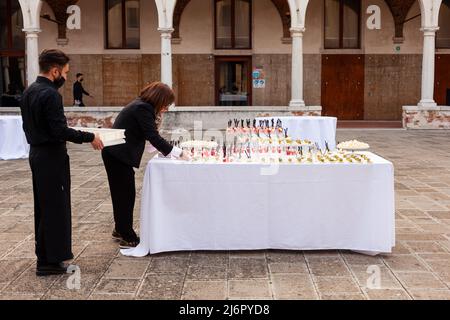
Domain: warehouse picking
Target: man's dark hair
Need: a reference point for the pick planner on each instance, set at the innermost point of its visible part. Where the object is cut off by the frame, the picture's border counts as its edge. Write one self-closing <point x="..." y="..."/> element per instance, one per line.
<point x="79" y="75"/>
<point x="50" y="58"/>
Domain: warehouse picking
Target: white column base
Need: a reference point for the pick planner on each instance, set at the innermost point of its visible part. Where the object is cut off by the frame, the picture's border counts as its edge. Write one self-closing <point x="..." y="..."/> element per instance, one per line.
<point x="427" y="104"/>
<point x="297" y="103"/>
<point x="303" y="110"/>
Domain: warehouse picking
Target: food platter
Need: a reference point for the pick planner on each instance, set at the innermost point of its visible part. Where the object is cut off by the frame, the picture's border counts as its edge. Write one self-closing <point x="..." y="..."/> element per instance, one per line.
<point x="353" y="145"/>
<point x="355" y="149"/>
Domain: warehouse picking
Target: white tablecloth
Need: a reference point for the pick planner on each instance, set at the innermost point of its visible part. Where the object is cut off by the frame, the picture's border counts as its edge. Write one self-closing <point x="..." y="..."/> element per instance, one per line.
<point x="316" y="129"/>
<point x="189" y="206"/>
<point x="13" y="144"/>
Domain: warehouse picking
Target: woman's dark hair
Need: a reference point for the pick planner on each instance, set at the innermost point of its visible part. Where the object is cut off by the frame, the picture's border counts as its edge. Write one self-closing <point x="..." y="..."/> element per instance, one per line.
<point x="50" y="58"/>
<point x="158" y="94"/>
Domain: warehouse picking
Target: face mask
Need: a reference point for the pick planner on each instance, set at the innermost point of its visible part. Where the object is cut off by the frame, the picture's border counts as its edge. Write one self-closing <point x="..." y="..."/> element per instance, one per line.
<point x="81" y="80"/>
<point x="58" y="83"/>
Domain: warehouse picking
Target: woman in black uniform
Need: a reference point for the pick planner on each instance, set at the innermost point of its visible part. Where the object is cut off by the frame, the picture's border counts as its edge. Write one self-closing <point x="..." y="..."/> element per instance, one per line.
<point x="139" y="121"/>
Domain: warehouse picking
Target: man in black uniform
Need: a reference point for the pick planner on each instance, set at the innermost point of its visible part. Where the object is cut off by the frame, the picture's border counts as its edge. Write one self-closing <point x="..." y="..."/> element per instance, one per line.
<point x="78" y="91"/>
<point x="46" y="130"/>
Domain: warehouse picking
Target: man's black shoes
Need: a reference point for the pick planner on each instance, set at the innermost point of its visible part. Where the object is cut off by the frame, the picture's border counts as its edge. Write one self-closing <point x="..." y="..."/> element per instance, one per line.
<point x="47" y="269"/>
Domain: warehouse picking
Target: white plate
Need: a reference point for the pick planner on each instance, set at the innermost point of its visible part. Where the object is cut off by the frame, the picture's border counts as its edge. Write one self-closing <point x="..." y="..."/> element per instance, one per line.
<point x="355" y="149"/>
<point x="113" y="142"/>
<point x="110" y="137"/>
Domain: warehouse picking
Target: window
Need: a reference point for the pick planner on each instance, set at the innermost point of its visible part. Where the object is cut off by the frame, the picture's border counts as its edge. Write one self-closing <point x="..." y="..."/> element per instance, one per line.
<point x="11" y="25"/>
<point x="443" y="34"/>
<point x="342" y="24"/>
<point x="122" y="24"/>
<point x="12" y="80"/>
<point x="12" y="52"/>
<point x="233" y="24"/>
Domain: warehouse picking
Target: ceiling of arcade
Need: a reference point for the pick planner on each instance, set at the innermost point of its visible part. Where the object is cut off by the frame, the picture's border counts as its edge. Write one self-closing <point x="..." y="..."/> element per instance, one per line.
<point x="398" y="8"/>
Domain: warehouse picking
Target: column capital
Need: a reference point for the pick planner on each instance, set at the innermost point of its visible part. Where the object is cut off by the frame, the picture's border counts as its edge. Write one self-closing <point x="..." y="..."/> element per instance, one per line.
<point x="297" y="31"/>
<point x="428" y="31"/>
<point x="29" y="31"/>
<point x="166" y="30"/>
<point x="166" y="33"/>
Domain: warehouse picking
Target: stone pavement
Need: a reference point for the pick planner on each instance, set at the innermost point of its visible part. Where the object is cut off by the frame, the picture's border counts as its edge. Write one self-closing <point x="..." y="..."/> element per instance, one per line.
<point x="419" y="268"/>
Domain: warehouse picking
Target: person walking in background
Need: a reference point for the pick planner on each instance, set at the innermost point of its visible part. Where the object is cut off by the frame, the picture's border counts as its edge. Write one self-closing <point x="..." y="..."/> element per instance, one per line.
<point x="78" y="91"/>
<point x="46" y="130"/>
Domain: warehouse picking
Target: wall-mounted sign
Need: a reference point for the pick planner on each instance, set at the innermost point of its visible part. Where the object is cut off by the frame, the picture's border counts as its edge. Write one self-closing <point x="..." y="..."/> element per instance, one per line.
<point x="259" y="78"/>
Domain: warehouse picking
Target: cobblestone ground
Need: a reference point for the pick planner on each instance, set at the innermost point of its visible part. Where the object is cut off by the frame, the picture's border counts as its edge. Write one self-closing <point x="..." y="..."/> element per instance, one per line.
<point x="419" y="267"/>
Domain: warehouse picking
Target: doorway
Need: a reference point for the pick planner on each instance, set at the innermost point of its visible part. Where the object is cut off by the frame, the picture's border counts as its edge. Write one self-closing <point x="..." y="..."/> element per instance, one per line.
<point x="343" y="86"/>
<point x="233" y="81"/>
<point x="12" y="53"/>
<point x="442" y="80"/>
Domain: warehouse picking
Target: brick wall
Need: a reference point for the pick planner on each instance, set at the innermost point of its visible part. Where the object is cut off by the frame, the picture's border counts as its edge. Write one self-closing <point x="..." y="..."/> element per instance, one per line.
<point x="391" y="81"/>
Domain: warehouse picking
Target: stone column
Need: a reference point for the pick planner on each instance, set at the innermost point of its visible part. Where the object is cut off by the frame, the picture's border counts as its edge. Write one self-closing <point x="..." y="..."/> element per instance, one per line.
<point x="6" y="71"/>
<point x="430" y="24"/>
<point x="297" y="68"/>
<point x="31" y="10"/>
<point x="32" y="54"/>
<point x="428" y="62"/>
<point x="166" y="56"/>
<point x="22" y="71"/>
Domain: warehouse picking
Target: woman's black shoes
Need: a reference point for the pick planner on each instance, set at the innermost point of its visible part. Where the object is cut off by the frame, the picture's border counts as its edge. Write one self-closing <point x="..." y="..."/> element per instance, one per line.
<point x="116" y="236"/>
<point x="123" y="244"/>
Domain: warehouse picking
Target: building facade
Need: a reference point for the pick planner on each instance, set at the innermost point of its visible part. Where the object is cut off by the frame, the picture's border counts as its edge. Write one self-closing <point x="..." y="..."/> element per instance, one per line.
<point x="359" y="59"/>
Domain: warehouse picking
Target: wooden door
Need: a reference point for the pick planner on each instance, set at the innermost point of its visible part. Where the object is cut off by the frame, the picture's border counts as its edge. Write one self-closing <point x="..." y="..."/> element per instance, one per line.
<point x="442" y="79"/>
<point x="343" y="86"/>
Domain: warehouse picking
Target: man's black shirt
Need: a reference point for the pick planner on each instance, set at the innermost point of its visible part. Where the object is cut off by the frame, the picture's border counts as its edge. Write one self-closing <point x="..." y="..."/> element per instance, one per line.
<point x="43" y="116"/>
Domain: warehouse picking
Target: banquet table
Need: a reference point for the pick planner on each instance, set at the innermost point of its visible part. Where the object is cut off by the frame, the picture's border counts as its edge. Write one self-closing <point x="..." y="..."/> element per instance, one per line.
<point x="315" y="129"/>
<point x="13" y="143"/>
<point x="249" y="206"/>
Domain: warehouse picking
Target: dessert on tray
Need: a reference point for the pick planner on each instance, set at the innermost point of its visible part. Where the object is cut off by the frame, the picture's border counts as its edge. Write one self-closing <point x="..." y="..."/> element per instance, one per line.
<point x="270" y="143"/>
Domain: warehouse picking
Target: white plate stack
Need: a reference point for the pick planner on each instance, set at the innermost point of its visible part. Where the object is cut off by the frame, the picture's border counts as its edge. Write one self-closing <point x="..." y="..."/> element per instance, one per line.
<point x="110" y="137"/>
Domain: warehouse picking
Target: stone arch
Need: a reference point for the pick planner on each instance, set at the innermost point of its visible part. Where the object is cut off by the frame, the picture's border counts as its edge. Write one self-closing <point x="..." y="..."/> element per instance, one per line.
<point x="285" y="15"/>
<point x="430" y="12"/>
<point x="399" y="10"/>
<point x="281" y="6"/>
<point x="59" y="8"/>
<point x="179" y="9"/>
